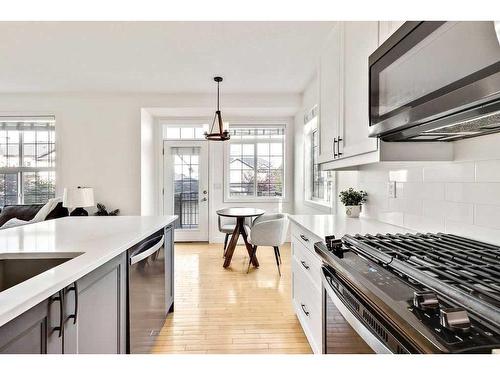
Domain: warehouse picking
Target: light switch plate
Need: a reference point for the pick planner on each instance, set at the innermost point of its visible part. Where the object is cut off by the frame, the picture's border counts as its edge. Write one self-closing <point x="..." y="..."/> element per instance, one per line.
<point x="391" y="189"/>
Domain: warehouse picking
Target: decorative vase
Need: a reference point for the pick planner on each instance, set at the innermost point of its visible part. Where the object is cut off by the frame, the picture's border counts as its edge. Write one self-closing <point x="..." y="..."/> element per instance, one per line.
<point x="353" y="211"/>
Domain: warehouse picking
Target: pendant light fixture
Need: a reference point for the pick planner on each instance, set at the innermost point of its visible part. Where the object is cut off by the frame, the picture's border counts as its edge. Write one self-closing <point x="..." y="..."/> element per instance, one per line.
<point x="221" y="135"/>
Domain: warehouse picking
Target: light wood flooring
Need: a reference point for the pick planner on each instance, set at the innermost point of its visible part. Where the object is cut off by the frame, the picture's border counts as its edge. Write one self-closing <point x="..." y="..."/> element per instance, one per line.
<point x="221" y="310"/>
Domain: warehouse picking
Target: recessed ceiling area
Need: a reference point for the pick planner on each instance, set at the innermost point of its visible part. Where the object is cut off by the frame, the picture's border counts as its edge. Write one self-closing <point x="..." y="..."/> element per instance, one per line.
<point x="159" y="57"/>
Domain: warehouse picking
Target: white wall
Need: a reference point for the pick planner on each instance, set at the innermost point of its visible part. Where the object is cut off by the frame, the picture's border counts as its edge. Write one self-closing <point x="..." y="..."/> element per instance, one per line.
<point x="461" y="197"/>
<point x="301" y="206"/>
<point x="98" y="136"/>
<point x="149" y="165"/>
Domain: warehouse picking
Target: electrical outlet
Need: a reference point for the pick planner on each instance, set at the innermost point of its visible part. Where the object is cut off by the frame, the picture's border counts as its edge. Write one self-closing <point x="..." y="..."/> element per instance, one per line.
<point x="391" y="189"/>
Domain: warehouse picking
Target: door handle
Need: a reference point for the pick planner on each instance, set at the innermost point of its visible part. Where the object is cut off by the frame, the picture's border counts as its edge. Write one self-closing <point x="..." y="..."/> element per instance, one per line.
<point x="204" y="199"/>
<point x="334" y="148"/>
<point x="60" y="298"/>
<point x="339" y="154"/>
<point x="304" y="309"/>
<point x="74" y="288"/>
<point x="304" y="264"/>
<point x="304" y="238"/>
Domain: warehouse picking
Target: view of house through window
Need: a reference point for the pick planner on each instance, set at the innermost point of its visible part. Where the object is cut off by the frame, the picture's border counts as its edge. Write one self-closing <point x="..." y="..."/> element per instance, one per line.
<point x="27" y="160"/>
<point x="256" y="161"/>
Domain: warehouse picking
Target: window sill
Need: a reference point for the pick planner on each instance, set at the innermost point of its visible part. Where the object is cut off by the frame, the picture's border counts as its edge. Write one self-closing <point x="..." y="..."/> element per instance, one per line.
<point x="327" y="207"/>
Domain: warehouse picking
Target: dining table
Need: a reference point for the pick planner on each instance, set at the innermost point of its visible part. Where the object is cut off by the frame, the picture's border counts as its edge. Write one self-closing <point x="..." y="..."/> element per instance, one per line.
<point x="240" y="214"/>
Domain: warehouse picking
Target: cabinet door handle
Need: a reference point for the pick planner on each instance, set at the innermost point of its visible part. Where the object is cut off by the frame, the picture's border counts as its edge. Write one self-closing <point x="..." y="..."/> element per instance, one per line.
<point x="74" y="288"/>
<point x="304" y="238"/>
<point x="304" y="309"/>
<point x="339" y="154"/>
<point x="304" y="264"/>
<point x="60" y="298"/>
<point x="334" y="148"/>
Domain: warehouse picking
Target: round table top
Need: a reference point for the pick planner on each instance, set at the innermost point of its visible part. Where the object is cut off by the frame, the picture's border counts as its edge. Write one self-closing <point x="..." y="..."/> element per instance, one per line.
<point x="240" y="212"/>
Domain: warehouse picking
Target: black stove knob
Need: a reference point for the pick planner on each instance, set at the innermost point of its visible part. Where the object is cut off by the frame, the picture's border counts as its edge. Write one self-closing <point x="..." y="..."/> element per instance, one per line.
<point x="425" y="300"/>
<point x="455" y="319"/>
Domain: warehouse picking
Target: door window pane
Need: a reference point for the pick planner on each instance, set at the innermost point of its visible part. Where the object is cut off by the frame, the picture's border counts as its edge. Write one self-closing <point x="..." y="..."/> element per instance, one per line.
<point x="186" y="186"/>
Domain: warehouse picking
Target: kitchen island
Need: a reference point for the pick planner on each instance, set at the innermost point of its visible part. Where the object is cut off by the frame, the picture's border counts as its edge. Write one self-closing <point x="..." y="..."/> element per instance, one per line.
<point x="79" y="254"/>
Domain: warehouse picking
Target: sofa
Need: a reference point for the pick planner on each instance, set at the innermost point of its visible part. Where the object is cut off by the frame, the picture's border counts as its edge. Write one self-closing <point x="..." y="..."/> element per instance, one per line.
<point x="27" y="212"/>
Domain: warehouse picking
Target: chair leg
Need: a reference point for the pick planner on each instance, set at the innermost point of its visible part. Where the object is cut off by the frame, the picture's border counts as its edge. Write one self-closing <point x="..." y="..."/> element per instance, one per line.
<point x="225" y="244"/>
<point x="276" y="251"/>
<point x="279" y="254"/>
<point x="253" y="254"/>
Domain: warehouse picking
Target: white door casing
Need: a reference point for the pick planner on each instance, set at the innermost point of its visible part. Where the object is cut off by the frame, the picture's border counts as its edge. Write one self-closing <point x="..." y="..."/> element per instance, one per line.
<point x="185" y="188"/>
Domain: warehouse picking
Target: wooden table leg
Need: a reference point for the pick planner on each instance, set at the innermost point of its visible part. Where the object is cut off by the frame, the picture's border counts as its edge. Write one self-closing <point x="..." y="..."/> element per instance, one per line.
<point x="249" y="247"/>
<point x="231" y="246"/>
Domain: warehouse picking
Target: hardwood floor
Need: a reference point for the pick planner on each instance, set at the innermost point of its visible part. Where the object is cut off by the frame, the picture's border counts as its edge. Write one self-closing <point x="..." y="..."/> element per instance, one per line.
<point x="221" y="310"/>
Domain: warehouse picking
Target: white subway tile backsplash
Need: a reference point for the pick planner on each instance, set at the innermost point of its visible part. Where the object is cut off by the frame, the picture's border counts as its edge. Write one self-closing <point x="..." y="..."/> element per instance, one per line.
<point x="457" y="197"/>
<point x="460" y="212"/>
<point x="450" y="172"/>
<point x="410" y="206"/>
<point x="488" y="171"/>
<point x="406" y="175"/>
<point x="423" y="224"/>
<point x="478" y="193"/>
<point x="487" y="216"/>
<point x="415" y="190"/>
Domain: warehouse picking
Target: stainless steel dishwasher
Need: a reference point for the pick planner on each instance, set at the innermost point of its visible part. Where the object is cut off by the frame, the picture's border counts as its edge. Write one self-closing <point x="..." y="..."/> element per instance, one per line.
<point x="146" y="292"/>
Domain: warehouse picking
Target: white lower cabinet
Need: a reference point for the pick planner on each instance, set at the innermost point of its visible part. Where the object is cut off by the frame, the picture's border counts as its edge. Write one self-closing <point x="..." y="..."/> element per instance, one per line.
<point x="306" y="287"/>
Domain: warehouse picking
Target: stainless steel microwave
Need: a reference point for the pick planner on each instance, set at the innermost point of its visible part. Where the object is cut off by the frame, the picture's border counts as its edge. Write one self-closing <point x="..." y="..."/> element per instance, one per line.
<point x="436" y="81"/>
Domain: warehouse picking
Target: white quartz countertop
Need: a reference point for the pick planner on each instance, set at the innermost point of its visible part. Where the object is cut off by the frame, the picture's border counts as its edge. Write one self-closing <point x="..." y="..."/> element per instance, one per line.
<point x="95" y="239"/>
<point x="325" y="225"/>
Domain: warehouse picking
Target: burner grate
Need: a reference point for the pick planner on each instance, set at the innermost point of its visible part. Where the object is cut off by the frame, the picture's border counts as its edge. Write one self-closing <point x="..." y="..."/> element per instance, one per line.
<point x="455" y="266"/>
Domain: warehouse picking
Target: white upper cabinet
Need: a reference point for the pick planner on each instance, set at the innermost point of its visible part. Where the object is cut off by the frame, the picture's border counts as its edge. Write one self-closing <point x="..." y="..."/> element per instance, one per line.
<point x="360" y="40"/>
<point x="344" y="102"/>
<point x="330" y="94"/>
<point x="386" y="29"/>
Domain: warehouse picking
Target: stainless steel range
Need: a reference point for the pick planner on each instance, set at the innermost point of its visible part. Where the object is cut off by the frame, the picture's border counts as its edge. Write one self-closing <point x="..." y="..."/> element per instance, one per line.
<point x="413" y="293"/>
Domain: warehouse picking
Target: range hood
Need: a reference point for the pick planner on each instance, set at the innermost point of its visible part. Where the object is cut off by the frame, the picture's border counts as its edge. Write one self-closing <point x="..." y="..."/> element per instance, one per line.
<point x="436" y="81"/>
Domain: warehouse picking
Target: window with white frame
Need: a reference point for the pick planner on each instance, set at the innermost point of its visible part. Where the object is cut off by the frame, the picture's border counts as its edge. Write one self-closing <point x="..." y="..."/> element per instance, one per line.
<point x="27" y="160"/>
<point x="318" y="184"/>
<point x="184" y="131"/>
<point x="255" y="162"/>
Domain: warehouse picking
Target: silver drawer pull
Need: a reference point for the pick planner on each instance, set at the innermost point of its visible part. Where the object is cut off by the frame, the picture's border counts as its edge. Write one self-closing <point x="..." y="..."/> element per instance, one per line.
<point x="304" y="264"/>
<point x="304" y="238"/>
<point x="304" y="309"/>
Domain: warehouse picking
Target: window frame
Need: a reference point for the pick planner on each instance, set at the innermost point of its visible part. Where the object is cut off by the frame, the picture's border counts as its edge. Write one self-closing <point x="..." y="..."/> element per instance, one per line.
<point x="226" y="180"/>
<point x="20" y="170"/>
<point x="311" y="126"/>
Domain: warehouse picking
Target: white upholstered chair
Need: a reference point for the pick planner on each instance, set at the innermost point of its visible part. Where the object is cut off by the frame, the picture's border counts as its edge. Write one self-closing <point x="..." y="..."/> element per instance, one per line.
<point x="269" y="230"/>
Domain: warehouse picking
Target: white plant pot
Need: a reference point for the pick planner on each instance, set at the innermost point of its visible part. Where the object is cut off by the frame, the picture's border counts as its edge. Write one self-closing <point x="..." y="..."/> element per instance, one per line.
<point x="352" y="211"/>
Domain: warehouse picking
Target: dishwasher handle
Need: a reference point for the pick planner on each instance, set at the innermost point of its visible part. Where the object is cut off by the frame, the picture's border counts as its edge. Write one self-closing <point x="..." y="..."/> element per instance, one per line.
<point x="146" y="253"/>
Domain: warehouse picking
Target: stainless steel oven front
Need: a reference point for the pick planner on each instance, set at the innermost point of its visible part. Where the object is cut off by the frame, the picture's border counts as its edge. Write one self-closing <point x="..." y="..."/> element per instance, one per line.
<point x="348" y="324"/>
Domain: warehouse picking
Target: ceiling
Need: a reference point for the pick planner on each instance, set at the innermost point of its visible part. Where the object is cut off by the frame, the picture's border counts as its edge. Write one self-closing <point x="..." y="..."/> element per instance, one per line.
<point x="166" y="57"/>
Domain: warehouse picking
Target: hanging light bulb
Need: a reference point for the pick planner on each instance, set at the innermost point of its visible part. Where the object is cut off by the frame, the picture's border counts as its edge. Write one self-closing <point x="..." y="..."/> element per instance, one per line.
<point x="221" y="135"/>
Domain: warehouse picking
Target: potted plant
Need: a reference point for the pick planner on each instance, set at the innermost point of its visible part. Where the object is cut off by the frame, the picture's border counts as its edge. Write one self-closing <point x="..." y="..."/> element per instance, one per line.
<point x="352" y="200"/>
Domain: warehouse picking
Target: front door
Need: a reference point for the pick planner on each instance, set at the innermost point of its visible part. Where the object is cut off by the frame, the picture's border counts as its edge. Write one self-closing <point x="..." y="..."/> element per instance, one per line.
<point x="185" y="191"/>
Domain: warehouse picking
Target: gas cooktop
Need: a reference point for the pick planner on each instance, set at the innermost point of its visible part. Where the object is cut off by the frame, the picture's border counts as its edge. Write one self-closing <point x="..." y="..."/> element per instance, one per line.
<point x="446" y="287"/>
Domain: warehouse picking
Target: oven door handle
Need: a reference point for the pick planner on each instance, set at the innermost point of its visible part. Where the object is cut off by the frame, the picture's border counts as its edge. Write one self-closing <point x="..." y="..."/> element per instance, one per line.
<point x="348" y="315"/>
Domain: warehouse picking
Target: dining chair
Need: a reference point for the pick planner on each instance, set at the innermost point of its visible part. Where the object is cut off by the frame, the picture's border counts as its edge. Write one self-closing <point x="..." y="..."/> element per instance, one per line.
<point x="226" y="226"/>
<point x="269" y="230"/>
